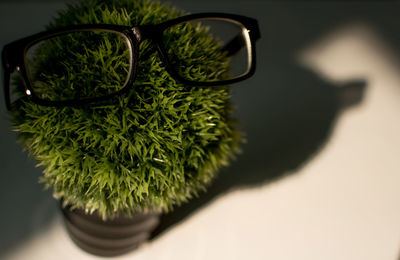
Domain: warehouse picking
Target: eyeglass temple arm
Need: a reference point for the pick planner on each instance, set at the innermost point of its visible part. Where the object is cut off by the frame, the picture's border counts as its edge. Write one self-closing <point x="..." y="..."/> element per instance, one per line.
<point x="6" y="82"/>
<point x="239" y="41"/>
<point x="9" y="66"/>
<point x="234" y="45"/>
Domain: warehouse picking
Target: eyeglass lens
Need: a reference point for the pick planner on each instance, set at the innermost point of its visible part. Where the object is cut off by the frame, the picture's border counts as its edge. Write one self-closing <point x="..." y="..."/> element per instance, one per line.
<point x="209" y="50"/>
<point x="79" y="65"/>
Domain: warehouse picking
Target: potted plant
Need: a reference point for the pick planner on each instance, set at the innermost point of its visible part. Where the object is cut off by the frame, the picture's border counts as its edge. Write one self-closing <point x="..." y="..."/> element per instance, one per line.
<point x="126" y="118"/>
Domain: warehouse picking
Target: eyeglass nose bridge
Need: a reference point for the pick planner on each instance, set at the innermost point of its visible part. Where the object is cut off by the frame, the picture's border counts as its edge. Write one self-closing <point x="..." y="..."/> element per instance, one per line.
<point x="137" y="33"/>
<point x="146" y="32"/>
<point x="152" y="32"/>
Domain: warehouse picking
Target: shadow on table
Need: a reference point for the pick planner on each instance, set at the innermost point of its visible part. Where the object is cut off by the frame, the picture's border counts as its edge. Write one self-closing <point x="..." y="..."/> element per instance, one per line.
<point x="286" y="122"/>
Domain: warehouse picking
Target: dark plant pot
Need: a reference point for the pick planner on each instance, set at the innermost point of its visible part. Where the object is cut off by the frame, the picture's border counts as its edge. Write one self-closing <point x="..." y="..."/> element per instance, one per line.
<point x="111" y="237"/>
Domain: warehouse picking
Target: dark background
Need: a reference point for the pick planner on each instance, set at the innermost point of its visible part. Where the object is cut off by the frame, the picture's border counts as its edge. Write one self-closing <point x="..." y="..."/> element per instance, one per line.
<point x="286" y="110"/>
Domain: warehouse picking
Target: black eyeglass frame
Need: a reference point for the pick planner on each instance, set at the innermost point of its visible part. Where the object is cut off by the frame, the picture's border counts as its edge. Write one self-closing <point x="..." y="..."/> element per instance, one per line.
<point x="13" y="54"/>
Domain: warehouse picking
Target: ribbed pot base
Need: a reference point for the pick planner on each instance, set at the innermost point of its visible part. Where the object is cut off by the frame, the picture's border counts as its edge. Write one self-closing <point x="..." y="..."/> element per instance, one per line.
<point x="111" y="237"/>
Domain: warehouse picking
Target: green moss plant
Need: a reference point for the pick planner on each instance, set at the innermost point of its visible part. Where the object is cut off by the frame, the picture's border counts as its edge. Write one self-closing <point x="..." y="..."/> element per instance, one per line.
<point x="149" y="149"/>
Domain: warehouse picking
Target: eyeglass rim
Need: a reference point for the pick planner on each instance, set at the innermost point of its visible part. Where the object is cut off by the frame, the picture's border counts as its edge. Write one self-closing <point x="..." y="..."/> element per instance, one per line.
<point x="13" y="54"/>
<point x="250" y="24"/>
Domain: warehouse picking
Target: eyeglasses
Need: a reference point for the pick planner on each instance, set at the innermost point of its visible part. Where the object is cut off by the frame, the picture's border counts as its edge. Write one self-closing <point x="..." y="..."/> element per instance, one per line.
<point x="86" y="63"/>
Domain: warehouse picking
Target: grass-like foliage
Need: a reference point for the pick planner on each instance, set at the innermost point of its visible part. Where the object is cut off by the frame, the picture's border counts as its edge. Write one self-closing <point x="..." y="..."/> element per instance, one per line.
<point x="149" y="149"/>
